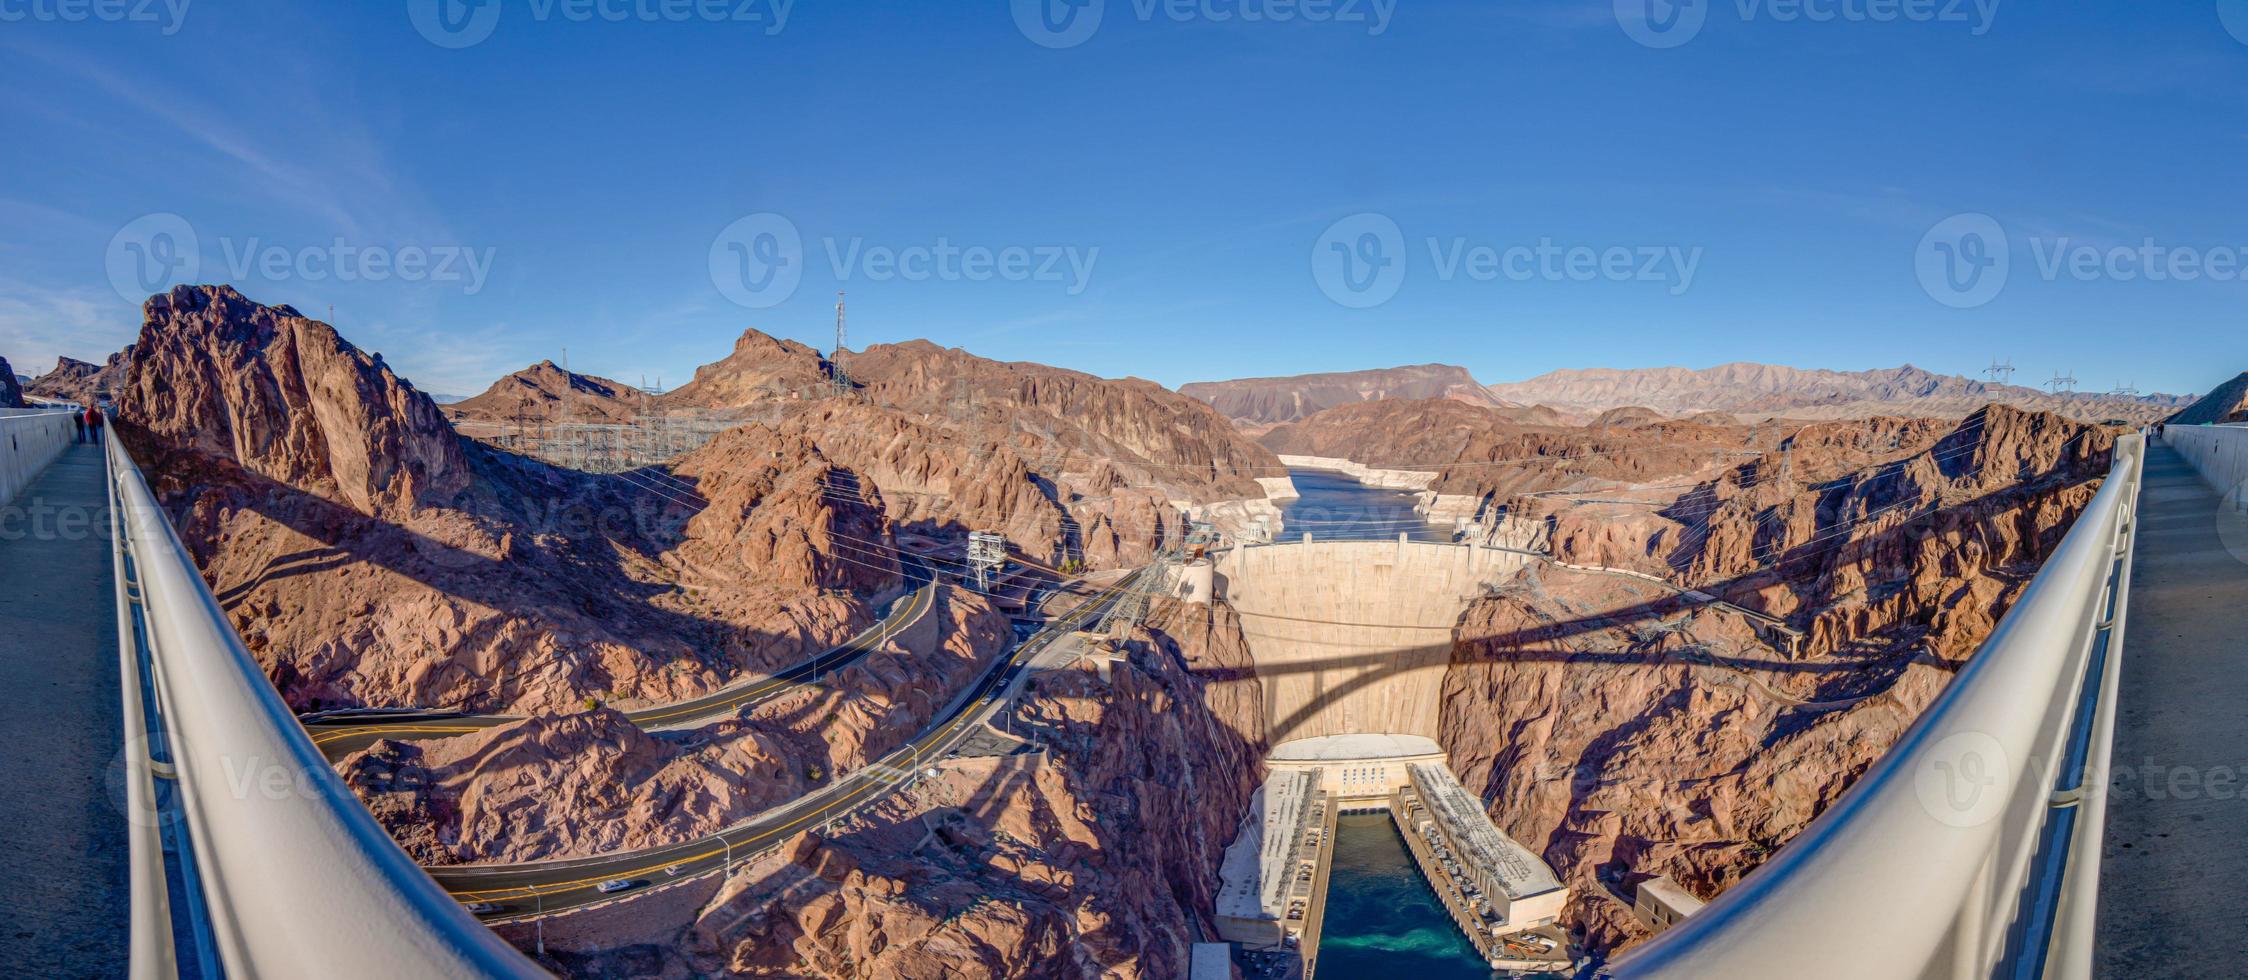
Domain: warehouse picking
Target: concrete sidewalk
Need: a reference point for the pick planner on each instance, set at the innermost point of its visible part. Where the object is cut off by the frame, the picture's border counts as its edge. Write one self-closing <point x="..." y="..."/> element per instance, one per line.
<point x="63" y="908"/>
<point x="2174" y="869"/>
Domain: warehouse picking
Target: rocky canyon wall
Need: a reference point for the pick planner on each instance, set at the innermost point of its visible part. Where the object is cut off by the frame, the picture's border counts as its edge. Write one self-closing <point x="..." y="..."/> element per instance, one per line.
<point x="1625" y="731"/>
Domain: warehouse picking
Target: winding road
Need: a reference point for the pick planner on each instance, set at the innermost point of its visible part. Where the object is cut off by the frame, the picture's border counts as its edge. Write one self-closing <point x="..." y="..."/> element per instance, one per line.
<point x="501" y="893"/>
<point x="340" y="735"/>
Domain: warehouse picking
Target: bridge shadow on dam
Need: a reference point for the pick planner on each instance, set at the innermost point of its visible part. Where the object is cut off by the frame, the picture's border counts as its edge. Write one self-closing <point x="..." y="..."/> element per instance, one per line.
<point x="1540" y="644"/>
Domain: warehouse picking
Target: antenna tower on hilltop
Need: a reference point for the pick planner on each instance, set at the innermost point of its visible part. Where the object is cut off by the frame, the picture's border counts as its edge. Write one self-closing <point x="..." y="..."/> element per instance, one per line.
<point x="836" y="377"/>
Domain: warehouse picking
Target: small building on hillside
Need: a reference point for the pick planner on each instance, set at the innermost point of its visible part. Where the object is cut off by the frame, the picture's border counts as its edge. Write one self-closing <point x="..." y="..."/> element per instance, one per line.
<point x="1660" y="902"/>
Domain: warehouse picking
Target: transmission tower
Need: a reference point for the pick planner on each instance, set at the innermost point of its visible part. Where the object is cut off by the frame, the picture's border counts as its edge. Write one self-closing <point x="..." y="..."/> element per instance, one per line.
<point x="1154" y="580"/>
<point x="840" y="382"/>
<point x="2062" y="383"/>
<point x="2125" y="389"/>
<point x="987" y="553"/>
<point x="2000" y="371"/>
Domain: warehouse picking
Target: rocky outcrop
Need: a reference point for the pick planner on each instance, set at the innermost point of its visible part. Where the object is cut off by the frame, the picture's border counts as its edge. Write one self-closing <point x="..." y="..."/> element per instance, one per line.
<point x="1400" y="434"/>
<point x="592" y="783"/>
<point x="1625" y="730"/>
<point x="370" y="556"/>
<point x="1068" y="466"/>
<point x="761" y="368"/>
<point x="1761" y="390"/>
<point x="79" y="382"/>
<point x="544" y="393"/>
<point x="2228" y="403"/>
<point x="1139" y="431"/>
<point x="11" y="393"/>
<point x="1255" y="401"/>
<point x="285" y="398"/>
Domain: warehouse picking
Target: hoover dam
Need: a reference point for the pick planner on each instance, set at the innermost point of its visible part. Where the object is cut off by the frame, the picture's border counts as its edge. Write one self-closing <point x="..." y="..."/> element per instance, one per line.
<point x="1350" y="640"/>
<point x="1352" y="637"/>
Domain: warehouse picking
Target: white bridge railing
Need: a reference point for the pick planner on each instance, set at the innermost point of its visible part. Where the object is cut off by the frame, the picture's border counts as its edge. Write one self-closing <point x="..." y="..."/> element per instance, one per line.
<point x="2219" y="453"/>
<point x="28" y="442"/>
<point x="1972" y="849"/>
<point x="280" y="871"/>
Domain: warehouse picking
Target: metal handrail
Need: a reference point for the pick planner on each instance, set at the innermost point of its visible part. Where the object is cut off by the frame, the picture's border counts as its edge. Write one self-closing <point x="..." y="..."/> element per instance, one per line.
<point x="1921" y="869"/>
<point x="296" y="878"/>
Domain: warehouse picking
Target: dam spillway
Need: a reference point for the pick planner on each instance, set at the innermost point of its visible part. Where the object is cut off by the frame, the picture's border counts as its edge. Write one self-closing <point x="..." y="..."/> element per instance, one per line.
<point x="1352" y="637"/>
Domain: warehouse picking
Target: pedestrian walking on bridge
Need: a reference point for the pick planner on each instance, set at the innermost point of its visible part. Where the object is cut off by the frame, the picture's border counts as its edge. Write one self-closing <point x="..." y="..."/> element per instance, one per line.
<point x="93" y="424"/>
<point x="79" y="419"/>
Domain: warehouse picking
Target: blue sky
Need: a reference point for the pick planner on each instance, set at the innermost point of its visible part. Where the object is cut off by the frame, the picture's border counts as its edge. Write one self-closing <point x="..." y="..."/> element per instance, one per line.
<point x="1193" y="164"/>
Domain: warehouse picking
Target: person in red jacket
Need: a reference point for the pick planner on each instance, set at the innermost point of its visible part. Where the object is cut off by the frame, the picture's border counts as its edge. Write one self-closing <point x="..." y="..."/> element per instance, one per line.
<point x="93" y="424"/>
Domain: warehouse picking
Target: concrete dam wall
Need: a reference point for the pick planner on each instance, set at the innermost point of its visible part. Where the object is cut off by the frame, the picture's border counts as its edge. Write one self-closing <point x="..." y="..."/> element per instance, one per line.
<point x="1352" y="637"/>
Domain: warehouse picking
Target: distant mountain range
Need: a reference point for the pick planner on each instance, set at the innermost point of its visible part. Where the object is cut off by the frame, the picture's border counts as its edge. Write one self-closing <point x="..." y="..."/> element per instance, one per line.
<point x="1264" y="401"/>
<point x="1740" y="389"/>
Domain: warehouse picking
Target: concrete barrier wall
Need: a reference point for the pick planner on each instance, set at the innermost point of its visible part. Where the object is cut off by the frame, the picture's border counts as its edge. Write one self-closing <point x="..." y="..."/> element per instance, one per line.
<point x="2218" y="452"/>
<point x="27" y="444"/>
<point x="1352" y="637"/>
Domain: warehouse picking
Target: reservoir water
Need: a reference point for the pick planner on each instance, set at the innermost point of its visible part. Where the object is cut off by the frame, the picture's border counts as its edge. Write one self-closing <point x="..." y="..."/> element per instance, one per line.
<point x="1382" y="920"/>
<point x="1334" y="507"/>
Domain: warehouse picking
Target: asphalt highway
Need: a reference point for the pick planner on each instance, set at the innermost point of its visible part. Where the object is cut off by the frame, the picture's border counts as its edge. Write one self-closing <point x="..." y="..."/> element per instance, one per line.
<point x="340" y="736"/>
<point x="505" y="892"/>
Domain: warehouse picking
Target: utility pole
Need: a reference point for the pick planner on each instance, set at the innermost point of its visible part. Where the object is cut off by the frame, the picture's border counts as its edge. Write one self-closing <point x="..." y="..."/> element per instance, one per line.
<point x="2062" y="383"/>
<point x="2125" y="390"/>
<point x="2000" y="371"/>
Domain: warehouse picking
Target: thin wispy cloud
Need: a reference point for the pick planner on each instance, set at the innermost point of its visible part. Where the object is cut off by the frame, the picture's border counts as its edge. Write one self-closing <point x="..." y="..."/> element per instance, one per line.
<point x="39" y="324"/>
